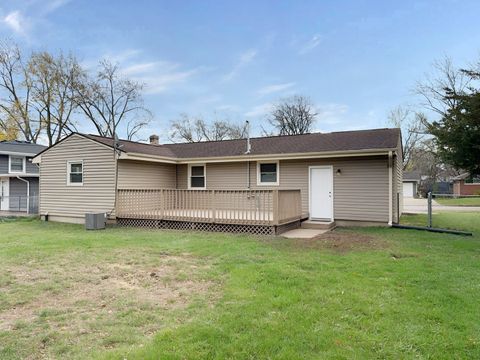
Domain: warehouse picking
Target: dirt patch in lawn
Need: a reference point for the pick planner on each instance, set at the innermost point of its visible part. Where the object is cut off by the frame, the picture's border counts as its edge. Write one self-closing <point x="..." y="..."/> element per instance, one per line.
<point x="74" y="296"/>
<point x="342" y="242"/>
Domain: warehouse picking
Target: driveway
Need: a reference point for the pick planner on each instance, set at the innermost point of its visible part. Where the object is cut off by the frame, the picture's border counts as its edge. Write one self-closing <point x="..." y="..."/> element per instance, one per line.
<point x="419" y="206"/>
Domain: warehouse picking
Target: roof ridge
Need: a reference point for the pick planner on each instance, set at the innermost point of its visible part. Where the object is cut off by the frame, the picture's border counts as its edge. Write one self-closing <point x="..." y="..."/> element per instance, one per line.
<point x="255" y="137"/>
<point x="282" y="136"/>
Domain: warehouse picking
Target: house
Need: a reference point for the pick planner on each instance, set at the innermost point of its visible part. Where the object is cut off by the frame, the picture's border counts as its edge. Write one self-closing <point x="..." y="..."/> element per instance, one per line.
<point x="465" y="184"/>
<point x="411" y="180"/>
<point x="19" y="183"/>
<point x="260" y="185"/>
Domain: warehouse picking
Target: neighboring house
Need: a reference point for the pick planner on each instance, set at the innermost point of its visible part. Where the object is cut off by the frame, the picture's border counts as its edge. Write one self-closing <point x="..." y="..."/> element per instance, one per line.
<point x="465" y="184"/>
<point x="18" y="176"/>
<point x="265" y="184"/>
<point x="411" y="179"/>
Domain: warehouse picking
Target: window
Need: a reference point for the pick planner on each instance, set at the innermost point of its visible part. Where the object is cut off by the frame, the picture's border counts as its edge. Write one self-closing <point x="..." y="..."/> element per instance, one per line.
<point x="267" y="173"/>
<point x="472" y="180"/>
<point x="17" y="164"/>
<point x="197" y="176"/>
<point x="75" y="173"/>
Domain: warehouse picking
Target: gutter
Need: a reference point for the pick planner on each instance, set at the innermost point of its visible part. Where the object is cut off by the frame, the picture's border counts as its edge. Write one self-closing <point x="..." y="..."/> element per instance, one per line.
<point x="18" y="153"/>
<point x="390" y="188"/>
<point x="241" y="158"/>
<point x="28" y="193"/>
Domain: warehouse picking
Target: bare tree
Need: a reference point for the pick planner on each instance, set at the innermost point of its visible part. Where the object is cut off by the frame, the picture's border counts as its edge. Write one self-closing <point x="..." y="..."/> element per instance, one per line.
<point x="446" y="79"/>
<point x="36" y="93"/>
<point x="52" y="94"/>
<point x="413" y="131"/>
<point x="291" y="116"/>
<point x="16" y="93"/>
<point x="111" y="102"/>
<point x="194" y="129"/>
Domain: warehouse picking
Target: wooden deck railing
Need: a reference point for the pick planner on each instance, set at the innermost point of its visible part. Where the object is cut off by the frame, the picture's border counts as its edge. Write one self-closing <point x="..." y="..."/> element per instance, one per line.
<point x="258" y="207"/>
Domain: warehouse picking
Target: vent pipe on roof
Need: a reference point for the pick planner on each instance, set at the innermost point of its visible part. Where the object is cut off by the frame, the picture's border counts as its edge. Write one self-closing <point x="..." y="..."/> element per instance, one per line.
<point x="154" y="139"/>
<point x="247" y="129"/>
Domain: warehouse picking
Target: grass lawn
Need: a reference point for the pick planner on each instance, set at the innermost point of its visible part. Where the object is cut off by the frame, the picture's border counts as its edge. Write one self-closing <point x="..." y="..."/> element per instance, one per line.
<point x="470" y="201"/>
<point x="138" y="294"/>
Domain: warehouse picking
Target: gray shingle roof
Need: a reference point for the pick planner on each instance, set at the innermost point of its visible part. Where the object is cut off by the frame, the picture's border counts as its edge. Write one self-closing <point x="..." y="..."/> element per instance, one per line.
<point x="411" y="176"/>
<point x="20" y="147"/>
<point x="375" y="139"/>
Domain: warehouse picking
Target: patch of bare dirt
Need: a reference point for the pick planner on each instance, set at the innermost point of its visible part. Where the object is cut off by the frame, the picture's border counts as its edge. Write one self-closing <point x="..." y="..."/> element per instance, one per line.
<point x="342" y="242"/>
<point x="78" y="293"/>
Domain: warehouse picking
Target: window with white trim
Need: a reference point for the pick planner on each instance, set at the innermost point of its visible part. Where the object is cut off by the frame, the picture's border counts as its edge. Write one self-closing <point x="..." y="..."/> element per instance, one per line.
<point x="197" y="179"/>
<point x="75" y="173"/>
<point x="16" y="164"/>
<point x="472" y="180"/>
<point x="268" y="173"/>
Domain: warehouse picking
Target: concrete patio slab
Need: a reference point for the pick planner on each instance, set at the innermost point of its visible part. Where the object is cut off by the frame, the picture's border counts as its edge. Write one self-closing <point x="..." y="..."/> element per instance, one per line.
<point x="303" y="233"/>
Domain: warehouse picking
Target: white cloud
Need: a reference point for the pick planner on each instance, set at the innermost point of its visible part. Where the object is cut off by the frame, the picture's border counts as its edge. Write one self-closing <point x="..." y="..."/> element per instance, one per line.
<point x="260" y="110"/>
<point x="157" y="76"/>
<point x="122" y="56"/>
<point x="162" y="82"/>
<point x="331" y="114"/>
<point x="274" y="88"/>
<point x="227" y="107"/>
<point x="50" y="6"/>
<point x="30" y="15"/>
<point x="16" y="22"/>
<point x="245" y="58"/>
<point x="209" y="99"/>
<point x="141" y="68"/>
<point x="311" y="44"/>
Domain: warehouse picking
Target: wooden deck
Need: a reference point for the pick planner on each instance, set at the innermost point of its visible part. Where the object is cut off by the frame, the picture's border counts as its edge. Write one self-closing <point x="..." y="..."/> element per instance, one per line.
<point x="244" y="207"/>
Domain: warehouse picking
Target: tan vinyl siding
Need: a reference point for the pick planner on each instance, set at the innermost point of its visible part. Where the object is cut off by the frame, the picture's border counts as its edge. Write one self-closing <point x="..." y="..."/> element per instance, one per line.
<point x="72" y="202"/>
<point x="360" y="192"/>
<point x="182" y="176"/>
<point x="224" y="176"/>
<point x="219" y="176"/>
<point x="145" y="175"/>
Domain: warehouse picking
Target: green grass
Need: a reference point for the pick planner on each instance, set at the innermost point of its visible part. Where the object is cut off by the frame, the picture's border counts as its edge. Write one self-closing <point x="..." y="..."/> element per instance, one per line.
<point x="468" y="201"/>
<point x="398" y="294"/>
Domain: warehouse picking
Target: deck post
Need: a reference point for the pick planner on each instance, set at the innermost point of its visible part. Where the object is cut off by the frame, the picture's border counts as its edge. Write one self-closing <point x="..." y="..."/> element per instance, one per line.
<point x="162" y="204"/>
<point x="275" y="207"/>
<point x="213" y="207"/>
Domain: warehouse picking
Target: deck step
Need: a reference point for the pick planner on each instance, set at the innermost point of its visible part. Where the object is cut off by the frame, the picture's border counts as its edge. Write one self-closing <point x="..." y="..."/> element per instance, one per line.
<point x="321" y="225"/>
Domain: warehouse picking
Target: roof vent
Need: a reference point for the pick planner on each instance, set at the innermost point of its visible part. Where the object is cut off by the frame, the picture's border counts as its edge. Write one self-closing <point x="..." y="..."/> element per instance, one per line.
<point x="154" y="139"/>
<point x="249" y="146"/>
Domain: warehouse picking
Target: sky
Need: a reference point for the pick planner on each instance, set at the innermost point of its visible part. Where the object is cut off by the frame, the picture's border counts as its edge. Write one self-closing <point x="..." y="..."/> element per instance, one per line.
<point x="355" y="60"/>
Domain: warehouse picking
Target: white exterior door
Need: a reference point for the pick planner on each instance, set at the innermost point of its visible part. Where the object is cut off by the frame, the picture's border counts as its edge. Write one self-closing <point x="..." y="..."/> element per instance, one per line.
<point x="408" y="190"/>
<point x="321" y="192"/>
<point x="4" y="199"/>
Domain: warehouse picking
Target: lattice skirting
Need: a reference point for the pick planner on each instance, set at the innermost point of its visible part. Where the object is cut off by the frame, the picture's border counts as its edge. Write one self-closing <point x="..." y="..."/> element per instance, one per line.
<point x="199" y="226"/>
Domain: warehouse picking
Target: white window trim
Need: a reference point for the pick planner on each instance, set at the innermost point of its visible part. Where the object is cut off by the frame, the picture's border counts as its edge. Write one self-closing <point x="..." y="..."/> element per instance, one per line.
<point x="69" y="171"/>
<point x="259" y="182"/>
<point x="190" y="176"/>
<point x="10" y="171"/>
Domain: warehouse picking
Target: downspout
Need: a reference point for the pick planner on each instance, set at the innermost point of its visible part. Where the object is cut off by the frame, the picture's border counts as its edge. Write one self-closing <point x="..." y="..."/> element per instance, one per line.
<point x="390" y="188"/>
<point x="249" y="149"/>
<point x="115" y="159"/>
<point x="28" y="193"/>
